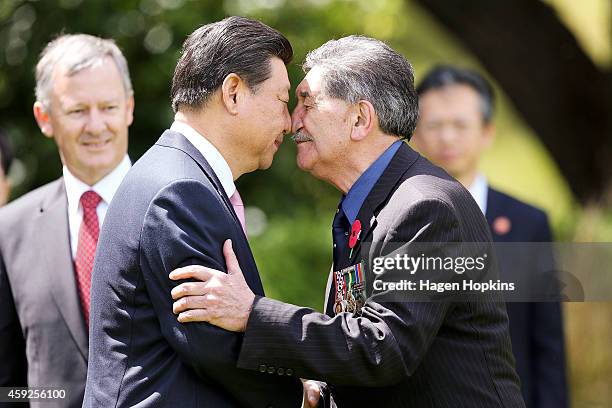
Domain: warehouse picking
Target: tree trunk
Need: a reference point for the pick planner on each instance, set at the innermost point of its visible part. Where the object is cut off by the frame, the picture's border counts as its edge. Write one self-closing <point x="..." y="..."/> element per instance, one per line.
<point x="554" y="85"/>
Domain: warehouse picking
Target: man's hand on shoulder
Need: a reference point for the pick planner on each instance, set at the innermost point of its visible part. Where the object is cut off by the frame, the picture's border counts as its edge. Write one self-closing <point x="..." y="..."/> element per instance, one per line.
<point x="312" y="393"/>
<point x="221" y="299"/>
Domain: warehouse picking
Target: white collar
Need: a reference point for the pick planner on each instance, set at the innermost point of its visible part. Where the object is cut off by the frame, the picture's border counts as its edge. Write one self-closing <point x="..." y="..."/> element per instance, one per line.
<point x="105" y="188"/>
<point x="480" y="190"/>
<point x="210" y="153"/>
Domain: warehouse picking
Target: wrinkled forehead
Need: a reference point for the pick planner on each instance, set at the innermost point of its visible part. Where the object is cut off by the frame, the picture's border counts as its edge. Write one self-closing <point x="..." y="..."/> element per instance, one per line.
<point x="70" y="65"/>
<point x="312" y="84"/>
<point x="98" y="71"/>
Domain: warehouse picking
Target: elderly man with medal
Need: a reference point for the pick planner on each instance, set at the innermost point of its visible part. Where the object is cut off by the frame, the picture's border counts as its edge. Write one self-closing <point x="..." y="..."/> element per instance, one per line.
<point x="356" y="107"/>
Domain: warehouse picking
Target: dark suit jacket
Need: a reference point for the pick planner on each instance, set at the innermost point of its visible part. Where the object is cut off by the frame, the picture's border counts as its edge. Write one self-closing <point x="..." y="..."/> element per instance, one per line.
<point x="398" y="354"/>
<point x="536" y="329"/>
<point x="39" y="303"/>
<point x="170" y="211"/>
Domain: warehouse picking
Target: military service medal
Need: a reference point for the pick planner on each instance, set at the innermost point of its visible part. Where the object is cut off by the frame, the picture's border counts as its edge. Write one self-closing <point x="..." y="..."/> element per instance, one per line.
<point x="350" y="289"/>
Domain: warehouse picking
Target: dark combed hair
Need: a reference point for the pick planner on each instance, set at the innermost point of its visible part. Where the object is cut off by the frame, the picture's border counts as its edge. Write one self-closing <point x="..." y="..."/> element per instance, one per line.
<point x="445" y="75"/>
<point x="234" y="45"/>
<point x="6" y="153"/>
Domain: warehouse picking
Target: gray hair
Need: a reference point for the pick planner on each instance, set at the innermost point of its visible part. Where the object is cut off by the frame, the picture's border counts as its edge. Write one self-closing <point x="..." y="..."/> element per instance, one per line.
<point x="76" y="52"/>
<point x="358" y="68"/>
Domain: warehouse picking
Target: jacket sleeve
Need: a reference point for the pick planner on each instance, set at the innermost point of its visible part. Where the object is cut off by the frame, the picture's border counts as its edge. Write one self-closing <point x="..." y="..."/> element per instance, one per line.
<point x="380" y="347"/>
<point x="186" y="224"/>
<point x="13" y="370"/>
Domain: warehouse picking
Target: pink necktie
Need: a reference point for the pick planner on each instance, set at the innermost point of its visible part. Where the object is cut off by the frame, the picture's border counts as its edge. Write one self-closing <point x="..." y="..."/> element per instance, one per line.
<point x="239" y="208"/>
<point x="86" y="248"/>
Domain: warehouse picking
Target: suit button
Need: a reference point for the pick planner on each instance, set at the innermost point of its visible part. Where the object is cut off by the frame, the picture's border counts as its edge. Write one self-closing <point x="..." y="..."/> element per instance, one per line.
<point x="289" y="371"/>
<point x="271" y="369"/>
<point x="280" y="371"/>
<point x="262" y="368"/>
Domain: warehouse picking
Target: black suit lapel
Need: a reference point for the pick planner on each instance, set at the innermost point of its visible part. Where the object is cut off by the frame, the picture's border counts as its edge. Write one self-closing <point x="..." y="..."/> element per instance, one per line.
<point x="399" y="165"/>
<point x="53" y="244"/>
<point x="403" y="159"/>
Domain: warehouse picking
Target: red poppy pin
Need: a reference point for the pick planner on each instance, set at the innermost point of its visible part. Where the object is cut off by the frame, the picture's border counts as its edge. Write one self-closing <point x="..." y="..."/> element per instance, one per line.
<point x="355" y="232"/>
<point x="502" y="225"/>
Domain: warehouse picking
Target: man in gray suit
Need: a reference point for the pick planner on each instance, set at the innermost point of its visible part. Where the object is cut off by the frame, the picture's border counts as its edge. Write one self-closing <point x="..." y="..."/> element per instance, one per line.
<point x="48" y="237"/>
<point x="355" y="105"/>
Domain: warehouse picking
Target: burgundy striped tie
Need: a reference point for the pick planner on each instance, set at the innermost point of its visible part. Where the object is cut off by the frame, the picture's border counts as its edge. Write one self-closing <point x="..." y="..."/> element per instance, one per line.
<point x="86" y="248"/>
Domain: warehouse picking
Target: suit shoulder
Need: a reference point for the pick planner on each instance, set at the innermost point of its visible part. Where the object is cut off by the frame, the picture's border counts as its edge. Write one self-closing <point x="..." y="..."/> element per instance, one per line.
<point x="425" y="181"/>
<point x="162" y="165"/>
<point x="163" y="179"/>
<point x="429" y="188"/>
<point x="29" y="202"/>
<point x="513" y="206"/>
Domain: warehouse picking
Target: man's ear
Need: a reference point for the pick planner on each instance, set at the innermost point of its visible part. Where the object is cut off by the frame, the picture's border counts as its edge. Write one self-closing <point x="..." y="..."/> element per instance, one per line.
<point x="5" y="190"/>
<point x="130" y="109"/>
<point x="230" y="90"/>
<point x="41" y="115"/>
<point x="364" y="119"/>
<point x="488" y="135"/>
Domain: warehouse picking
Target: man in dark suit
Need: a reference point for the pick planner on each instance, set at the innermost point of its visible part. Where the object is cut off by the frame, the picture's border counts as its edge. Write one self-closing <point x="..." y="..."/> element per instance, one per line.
<point x="355" y="105"/>
<point x="48" y="237"/>
<point x="175" y="208"/>
<point x="455" y="128"/>
<point x="6" y="159"/>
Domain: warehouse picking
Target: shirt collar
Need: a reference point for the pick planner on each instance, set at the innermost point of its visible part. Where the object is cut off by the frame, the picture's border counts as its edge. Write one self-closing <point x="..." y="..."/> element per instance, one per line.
<point x="352" y="202"/>
<point x="479" y="189"/>
<point x="105" y="188"/>
<point x="210" y="153"/>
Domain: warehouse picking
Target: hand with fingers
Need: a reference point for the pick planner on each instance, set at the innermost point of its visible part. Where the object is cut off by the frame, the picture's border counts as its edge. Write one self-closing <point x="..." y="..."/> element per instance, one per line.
<point x="312" y="393"/>
<point x="221" y="299"/>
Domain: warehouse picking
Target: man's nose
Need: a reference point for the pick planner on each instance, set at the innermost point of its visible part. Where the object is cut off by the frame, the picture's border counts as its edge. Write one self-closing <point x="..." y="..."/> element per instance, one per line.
<point x="95" y="122"/>
<point x="448" y="134"/>
<point x="296" y="119"/>
<point x="287" y="124"/>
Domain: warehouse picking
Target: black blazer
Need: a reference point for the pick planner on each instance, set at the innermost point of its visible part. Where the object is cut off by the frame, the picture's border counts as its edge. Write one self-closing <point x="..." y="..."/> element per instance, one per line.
<point x="170" y="211"/>
<point x="42" y="329"/>
<point x="536" y="329"/>
<point x="398" y="354"/>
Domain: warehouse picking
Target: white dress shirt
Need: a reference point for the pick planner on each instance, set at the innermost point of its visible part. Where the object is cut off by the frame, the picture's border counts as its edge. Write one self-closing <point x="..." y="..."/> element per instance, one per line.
<point x="105" y="188"/>
<point x="480" y="191"/>
<point x="210" y="153"/>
